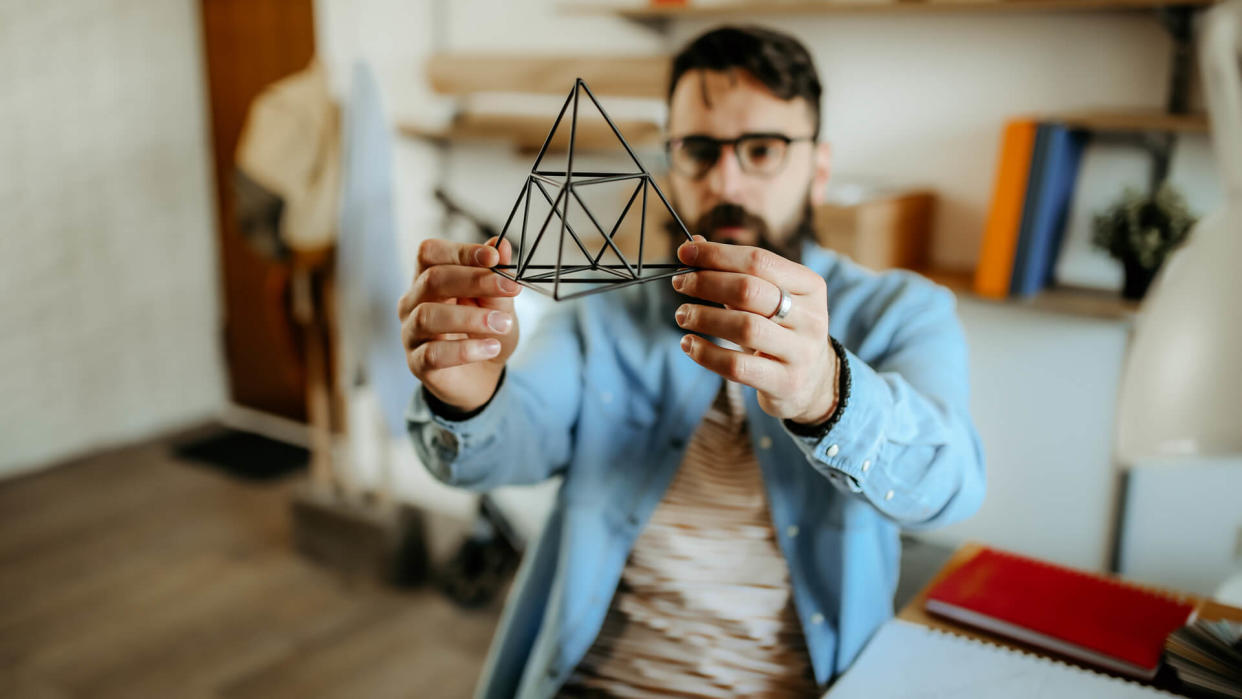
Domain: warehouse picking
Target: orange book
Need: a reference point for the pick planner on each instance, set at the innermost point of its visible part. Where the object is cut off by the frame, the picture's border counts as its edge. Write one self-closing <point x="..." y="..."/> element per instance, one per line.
<point x="1000" y="236"/>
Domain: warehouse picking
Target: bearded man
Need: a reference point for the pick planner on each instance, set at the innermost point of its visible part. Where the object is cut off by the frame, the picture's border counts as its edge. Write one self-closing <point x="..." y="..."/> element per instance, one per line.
<point x="739" y="447"/>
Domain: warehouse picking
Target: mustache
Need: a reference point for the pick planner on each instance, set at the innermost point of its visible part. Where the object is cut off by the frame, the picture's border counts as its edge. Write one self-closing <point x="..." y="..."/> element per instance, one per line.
<point x="730" y="216"/>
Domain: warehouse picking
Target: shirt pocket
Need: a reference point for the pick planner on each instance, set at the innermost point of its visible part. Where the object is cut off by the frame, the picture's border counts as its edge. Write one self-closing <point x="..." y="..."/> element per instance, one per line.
<point x="616" y="433"/>
<point x="620" y="407"/>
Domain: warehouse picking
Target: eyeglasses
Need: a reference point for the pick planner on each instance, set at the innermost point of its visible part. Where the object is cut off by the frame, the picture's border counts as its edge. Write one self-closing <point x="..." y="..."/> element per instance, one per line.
<point x="757" y="153"/>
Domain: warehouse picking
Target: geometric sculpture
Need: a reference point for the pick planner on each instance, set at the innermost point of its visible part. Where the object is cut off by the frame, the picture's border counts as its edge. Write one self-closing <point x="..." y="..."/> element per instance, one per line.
<point x="586" y="255"/>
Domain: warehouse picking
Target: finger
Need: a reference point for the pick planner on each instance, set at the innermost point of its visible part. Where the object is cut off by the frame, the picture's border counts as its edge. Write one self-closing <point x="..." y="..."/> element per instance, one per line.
<point x="505" y="249"/>
<point x="454" y="281"/>
<point x="761" y="373"/>
<point x="757" y="262"/>
<point x="740" y="291"/>
<point x="745" y="329"/>
<point x="433" y="252"/>
<point x="444" y="354"/>
<point x="432" y="319"/>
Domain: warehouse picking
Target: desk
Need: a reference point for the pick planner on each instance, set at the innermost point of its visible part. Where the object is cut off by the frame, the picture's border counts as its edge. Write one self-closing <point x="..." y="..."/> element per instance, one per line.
<point x="914" y="612"/>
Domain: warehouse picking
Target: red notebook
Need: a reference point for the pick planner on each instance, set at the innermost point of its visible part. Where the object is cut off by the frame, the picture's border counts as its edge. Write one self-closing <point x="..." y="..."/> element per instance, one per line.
<point x="1097" y="620"/>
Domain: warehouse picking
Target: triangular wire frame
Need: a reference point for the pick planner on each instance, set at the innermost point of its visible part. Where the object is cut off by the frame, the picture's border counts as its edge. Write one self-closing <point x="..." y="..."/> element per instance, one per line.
<point x="605" y="277"/>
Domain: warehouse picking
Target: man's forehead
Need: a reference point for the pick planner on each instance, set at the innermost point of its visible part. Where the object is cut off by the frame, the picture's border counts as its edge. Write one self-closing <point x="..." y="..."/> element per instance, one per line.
<point x="728" y="103"/>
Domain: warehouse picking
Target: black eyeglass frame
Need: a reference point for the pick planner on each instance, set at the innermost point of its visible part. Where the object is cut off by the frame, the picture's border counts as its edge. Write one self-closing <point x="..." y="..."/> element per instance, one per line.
<point x="720" y="143"/>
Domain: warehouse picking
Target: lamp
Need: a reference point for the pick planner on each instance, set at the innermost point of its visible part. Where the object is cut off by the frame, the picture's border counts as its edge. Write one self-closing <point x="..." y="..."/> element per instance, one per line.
<point x="1181" y="391"/>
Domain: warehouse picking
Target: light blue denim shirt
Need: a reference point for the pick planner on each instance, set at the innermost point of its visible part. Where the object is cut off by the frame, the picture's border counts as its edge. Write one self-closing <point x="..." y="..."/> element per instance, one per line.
<point x="603" y="395"/>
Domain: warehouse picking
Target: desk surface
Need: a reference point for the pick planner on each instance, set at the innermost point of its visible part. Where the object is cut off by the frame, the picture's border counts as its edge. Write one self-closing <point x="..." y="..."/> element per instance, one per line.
<point x="914" y="611"/>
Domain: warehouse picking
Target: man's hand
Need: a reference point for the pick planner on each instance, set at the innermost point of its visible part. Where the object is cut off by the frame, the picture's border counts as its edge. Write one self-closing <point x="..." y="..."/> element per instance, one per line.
<point x="790" y="362"/>
<point x="457" y="321"/>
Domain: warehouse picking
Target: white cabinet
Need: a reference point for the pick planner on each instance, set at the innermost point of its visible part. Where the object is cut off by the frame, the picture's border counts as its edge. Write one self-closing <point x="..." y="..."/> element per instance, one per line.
<point x="1182" y="525"/>
<point x="1043" y="397"/>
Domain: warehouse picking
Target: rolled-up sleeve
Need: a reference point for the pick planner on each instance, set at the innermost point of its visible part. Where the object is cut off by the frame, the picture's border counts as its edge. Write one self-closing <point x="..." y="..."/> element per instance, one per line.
<point x="903" y="438"/>
<point x="524" y="434"/>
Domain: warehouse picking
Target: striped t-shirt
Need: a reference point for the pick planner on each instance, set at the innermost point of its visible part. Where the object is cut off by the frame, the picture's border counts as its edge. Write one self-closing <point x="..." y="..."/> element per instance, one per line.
<point x="704" y="607"/>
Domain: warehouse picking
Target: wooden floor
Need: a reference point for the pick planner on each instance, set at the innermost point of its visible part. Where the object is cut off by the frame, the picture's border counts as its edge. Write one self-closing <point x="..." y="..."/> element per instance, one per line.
<point x="132" y="574"/>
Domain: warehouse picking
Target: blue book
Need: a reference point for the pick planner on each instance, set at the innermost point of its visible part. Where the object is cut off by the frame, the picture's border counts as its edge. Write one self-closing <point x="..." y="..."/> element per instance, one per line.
<point x="1034" y="183"/>
<point x="1049" y="192"/>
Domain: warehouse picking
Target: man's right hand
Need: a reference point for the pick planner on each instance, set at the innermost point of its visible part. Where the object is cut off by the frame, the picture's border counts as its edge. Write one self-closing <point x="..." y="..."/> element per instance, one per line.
<point x="457" y="321"/>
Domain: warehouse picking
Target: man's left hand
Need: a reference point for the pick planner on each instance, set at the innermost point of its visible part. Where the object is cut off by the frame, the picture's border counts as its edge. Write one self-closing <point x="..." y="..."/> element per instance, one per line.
<point x="790" y="362"/>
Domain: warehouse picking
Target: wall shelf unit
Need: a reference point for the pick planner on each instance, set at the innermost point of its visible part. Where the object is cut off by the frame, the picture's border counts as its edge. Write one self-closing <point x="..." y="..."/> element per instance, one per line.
<point x="527" y="132"/>
<point x="462" y="73"/>
<point x="659" y="13"/>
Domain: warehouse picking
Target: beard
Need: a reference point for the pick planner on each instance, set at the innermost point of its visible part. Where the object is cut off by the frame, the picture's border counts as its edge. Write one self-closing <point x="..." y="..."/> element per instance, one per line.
<point x="787" y="245"/>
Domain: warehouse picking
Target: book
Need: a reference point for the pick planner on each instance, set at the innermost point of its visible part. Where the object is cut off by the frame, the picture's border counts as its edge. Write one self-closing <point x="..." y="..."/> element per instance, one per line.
<point x="1207" y="655"/>
<point x="1060" y="152"/>
<point x="1096" y="620"/>
<point x="904" y="660"/>
<point x="1000" y="234"/>
<point x="1034" y="190"/>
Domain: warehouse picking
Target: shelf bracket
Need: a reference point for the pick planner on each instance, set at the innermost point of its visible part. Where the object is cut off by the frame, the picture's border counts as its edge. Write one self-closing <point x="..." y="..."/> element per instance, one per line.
<point x="1179" y="22"/>
<point x="1160" y="147"/>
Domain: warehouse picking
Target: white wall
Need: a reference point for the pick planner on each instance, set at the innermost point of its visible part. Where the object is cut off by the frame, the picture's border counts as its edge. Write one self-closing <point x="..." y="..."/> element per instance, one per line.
<point x="109" y="309"/>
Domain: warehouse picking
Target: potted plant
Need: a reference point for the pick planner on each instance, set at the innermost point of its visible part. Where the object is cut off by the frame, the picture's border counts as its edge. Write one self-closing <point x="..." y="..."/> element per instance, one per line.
<point x="1141" y="230"/>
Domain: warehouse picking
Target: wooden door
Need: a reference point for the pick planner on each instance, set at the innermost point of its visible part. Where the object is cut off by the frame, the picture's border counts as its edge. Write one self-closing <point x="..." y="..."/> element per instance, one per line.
<point x="249" y="44"/>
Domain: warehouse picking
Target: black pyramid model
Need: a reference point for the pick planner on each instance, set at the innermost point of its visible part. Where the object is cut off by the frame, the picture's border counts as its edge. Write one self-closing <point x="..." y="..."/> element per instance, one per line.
<point x="587" y="273"/>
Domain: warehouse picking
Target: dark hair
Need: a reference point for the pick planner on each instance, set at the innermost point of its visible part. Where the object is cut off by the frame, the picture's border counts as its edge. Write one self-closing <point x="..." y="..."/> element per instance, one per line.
<point x="778" y="61"/>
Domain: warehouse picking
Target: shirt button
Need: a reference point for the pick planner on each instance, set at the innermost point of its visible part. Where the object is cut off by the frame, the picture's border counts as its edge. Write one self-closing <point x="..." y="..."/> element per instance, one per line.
<point x="791" y="531"/>
<point x="866" y="465"/>
<point x="765" y="442"/>
<point x="832" y="450"/>
<point x="817" y="618"/>
<point x="888" y="495"/>
<point x="445" y="440"/>
<point x="677" y="442"/>
<point x="606" y="397"/>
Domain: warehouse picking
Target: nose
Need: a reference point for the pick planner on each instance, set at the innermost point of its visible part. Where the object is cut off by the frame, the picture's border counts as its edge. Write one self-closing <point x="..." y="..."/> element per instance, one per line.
<point x="726" y="177"/>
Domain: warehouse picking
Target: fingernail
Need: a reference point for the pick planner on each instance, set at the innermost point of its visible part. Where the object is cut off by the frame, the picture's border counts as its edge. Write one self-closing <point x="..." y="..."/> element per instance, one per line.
<point x="499" y="321"/>
<point x="489" y="349"/>
<point x="678" y="282"/>
<point x="689" y="253"/>
<point x="507" y="286"/>
<point x="680" y="315"/>
<point x="685" y="343"/>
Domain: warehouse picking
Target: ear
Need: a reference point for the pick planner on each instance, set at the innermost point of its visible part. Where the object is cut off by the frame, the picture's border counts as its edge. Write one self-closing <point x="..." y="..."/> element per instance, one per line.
<point x="819" y="180"/>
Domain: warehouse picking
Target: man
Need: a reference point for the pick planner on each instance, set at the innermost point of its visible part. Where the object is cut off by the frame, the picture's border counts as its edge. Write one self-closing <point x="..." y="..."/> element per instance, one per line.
<point x="711" y="537"/>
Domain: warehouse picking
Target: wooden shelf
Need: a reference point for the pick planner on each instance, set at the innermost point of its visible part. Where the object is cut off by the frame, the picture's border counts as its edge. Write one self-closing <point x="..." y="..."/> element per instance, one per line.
<point x="1093" y="303"/>
<point x="1133" y="121"/>
<point x="612" y="75"/>
<point x="647" y="12"/>
<point x="527" y="132"/>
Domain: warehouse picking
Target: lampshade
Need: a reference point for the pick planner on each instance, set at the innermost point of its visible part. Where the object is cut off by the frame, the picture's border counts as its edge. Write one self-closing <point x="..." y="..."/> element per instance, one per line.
<point x="1181" y="391"/>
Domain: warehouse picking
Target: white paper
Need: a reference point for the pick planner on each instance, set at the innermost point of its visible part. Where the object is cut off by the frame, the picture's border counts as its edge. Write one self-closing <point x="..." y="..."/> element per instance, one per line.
<point x="908" y="661"/>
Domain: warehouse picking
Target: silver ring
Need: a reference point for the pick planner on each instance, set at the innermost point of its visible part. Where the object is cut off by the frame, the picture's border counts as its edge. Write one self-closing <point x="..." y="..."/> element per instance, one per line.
<point x="782" y="308"/>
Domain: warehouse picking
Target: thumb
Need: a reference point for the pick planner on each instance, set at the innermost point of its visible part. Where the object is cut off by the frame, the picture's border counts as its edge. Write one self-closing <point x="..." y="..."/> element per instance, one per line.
<point x="503" y="303"/>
